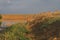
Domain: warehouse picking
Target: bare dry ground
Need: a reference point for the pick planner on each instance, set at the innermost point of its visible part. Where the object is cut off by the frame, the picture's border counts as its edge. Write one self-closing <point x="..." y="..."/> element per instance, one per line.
<point x="27" y="17"/>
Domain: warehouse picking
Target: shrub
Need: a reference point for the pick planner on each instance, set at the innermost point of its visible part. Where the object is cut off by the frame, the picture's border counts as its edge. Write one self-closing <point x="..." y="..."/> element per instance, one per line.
<point x="45" y="28"/>
<point x="0" y="16"/>
<point x="0" y="19"/>
<point x="15" y="32"/>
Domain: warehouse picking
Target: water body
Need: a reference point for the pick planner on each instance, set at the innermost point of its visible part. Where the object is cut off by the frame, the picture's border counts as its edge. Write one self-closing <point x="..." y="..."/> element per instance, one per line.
<point x="8" y="23"/>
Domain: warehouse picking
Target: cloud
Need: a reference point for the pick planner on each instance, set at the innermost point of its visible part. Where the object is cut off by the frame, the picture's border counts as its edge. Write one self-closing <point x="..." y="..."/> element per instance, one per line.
<point x="28" y="6"/>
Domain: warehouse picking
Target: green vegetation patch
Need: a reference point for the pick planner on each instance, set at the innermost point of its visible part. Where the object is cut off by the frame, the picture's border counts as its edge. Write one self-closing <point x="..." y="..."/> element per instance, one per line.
<point x="15" y="32"/>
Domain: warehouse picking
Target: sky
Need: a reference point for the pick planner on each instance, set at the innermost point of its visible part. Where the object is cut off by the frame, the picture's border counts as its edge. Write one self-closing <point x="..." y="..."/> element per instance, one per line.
<point x="28" y="6"/>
